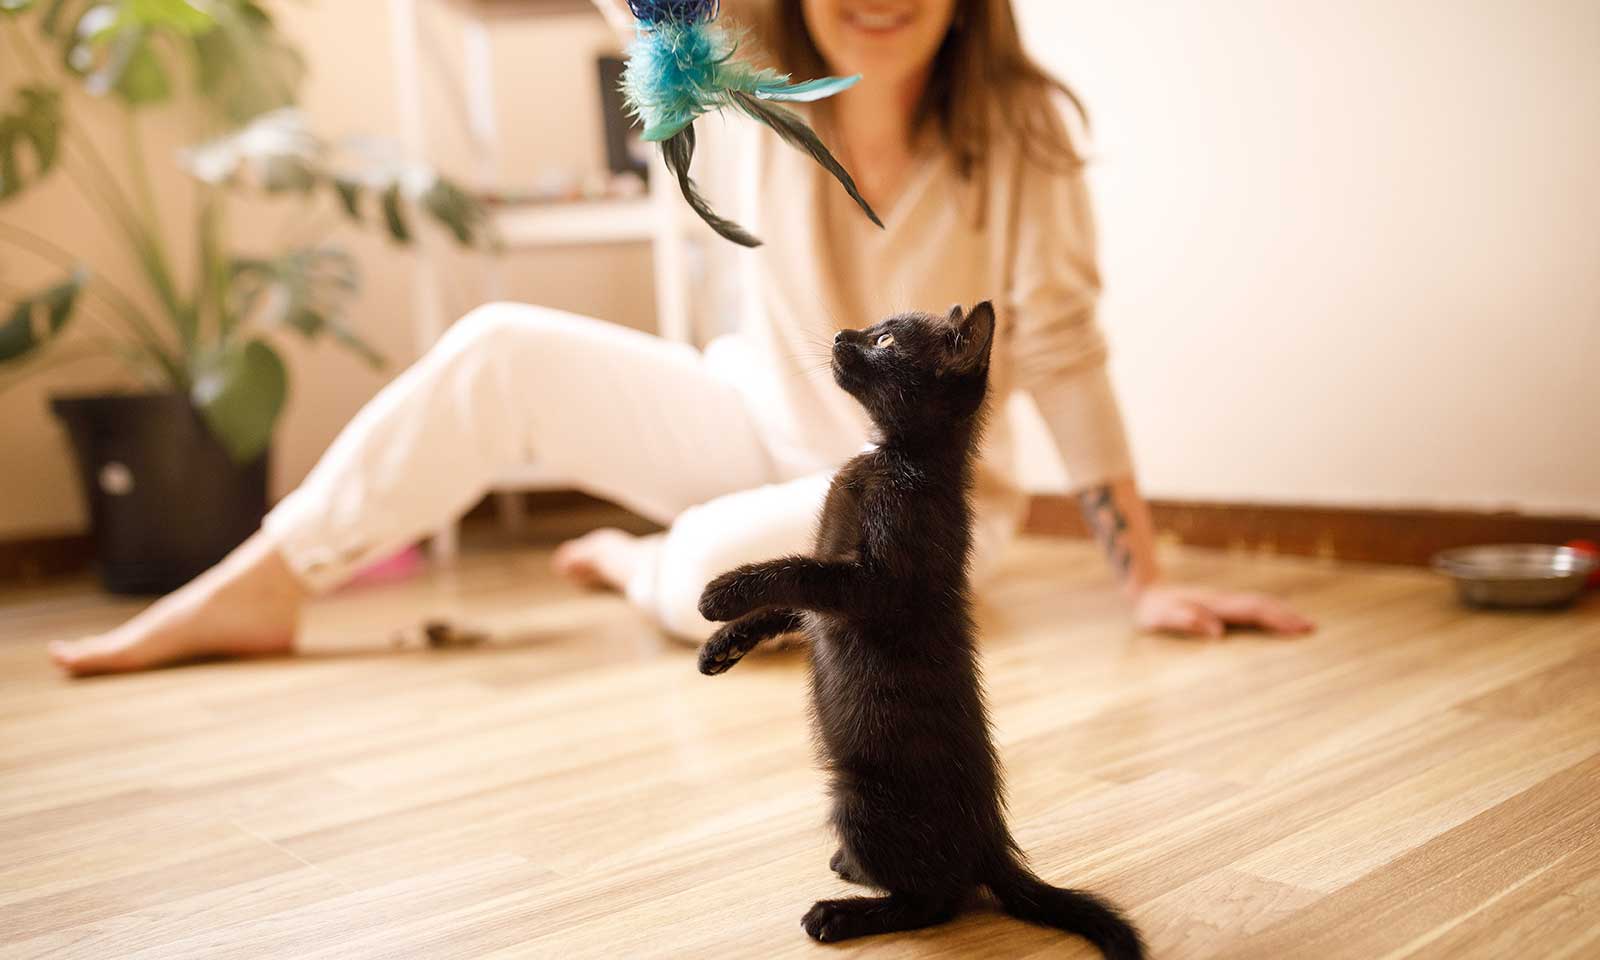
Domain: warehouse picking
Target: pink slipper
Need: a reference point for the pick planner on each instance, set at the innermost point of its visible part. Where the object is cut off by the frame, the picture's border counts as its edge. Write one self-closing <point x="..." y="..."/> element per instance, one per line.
<point x="402" y="566"/>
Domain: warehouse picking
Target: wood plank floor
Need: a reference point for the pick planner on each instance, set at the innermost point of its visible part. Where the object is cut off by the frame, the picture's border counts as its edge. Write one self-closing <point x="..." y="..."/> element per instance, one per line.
<point x="1412" y="781"/>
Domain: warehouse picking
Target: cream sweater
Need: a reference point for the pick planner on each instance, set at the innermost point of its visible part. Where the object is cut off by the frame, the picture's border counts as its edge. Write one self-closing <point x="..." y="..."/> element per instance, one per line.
<point x="825" y="266"/>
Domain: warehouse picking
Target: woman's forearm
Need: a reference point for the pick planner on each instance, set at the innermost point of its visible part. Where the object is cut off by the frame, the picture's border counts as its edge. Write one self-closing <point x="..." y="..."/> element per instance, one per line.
<point x="1119" y="520"/>
<point x="1081" y="414"/>
<point x="616" y="13"/>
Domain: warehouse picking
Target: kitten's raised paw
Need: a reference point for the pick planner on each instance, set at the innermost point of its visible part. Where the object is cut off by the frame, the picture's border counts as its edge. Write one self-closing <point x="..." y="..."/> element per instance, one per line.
<point x="720" y="653"/>
<point x="725" y="598"/>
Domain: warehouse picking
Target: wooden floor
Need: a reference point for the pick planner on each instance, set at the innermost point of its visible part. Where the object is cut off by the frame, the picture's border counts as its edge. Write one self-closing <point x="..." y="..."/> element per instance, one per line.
<point x="1412" y="781"/>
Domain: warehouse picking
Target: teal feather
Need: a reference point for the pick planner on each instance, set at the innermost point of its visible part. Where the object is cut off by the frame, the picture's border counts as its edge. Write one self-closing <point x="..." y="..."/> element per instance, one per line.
<point x="681" y="66"/>
<point x="675" y="74"/>
<point x="805" y="92"/>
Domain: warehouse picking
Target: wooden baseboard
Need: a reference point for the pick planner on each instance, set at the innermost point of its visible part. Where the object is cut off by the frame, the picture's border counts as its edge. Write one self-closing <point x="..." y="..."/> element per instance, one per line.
<point x="1351" y="534"/>
<point x="28" y="560"/>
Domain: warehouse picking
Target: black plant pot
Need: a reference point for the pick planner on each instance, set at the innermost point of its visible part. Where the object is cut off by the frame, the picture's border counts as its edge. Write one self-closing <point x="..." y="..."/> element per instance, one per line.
<point x="165" y="499"/>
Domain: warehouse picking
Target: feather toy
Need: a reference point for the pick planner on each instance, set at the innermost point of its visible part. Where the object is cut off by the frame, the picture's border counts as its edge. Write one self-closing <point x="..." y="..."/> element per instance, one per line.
<point x="682" y="65"/>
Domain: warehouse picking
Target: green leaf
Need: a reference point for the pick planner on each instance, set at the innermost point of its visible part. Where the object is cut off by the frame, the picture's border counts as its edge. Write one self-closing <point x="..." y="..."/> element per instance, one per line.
<point x="308" y="291"/>
<point x="349" y="197"/>
<point x="50" y="22"/>
<point x="142" y="79"/>
<point x="113" y="45"/>
<point x="245" y="66"/>
<point x="35" y="124"/>
<point x="39" y="319"/>
<point x="102" y="49"/>
<point x="179" y="16"/>
<point x="457" y="210"/>
<point x="240" y="390"/>
<point x="356" y="345"/>
<point x="394" y="216"/>
<point x="284" y="173"/>
<point x="277" y="150"/>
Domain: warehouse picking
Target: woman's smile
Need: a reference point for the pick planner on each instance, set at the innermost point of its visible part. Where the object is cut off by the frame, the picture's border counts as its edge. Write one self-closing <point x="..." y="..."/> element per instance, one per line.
<point x="878" y="21"/>
<point x="890" y="41"/>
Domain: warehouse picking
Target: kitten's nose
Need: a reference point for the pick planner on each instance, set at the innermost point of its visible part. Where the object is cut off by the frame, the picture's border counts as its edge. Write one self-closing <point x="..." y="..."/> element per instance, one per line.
<point x="838" y="337"/>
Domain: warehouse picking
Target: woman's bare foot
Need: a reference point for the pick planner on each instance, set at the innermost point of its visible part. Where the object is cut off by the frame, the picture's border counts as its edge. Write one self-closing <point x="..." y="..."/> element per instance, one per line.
<point x="247" y="605"/>
<point x="607" y="557"/>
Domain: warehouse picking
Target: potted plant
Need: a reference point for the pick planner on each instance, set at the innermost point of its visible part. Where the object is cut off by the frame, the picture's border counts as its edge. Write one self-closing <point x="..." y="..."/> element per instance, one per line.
<point x="175" y="473"/>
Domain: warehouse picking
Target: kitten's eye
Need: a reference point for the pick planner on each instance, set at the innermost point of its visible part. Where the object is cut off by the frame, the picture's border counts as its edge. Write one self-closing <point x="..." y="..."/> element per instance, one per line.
<point x="885" y="340"/>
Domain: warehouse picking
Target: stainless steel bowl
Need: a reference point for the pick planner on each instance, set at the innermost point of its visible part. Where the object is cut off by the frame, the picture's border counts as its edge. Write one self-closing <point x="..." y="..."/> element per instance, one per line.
<point x="1516" y="574"/>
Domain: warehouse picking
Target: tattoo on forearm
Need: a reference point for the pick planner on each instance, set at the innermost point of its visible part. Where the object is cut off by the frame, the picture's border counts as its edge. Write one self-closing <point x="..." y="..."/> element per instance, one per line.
<point x="1109" y="527"/>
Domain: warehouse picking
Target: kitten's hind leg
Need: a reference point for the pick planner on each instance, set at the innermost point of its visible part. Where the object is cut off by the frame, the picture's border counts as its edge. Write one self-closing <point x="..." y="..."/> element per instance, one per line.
<point x="832" y="920"/>
<point x="729" y="645"/>
<point x="846" y="868"/>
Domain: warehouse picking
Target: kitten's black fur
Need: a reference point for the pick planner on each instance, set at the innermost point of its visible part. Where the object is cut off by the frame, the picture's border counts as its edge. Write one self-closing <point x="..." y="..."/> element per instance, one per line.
<point x="895" y="689"/>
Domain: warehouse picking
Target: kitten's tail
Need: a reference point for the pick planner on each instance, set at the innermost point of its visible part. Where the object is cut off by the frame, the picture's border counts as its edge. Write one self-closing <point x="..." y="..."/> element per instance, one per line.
<point x="1026" y="897"/>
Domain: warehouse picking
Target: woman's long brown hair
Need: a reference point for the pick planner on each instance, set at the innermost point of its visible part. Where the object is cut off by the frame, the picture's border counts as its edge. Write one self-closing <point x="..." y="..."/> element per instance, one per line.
<point x="982" y="83"/>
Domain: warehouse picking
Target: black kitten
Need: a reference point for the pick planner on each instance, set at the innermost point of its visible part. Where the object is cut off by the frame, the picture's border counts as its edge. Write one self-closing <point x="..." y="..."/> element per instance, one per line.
<point x="894" y="677"/>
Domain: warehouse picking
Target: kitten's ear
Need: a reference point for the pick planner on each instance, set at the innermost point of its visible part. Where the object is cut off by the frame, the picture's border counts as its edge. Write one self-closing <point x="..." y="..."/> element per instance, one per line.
<point x="971" y="337"/>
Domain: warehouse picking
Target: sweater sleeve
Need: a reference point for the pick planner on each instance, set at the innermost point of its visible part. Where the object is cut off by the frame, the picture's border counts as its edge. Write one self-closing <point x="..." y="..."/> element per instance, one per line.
<point x="1060" y="352"/>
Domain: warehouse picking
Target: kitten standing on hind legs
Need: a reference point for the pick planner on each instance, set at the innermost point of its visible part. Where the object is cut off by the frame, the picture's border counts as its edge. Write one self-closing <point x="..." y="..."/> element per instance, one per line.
<point x="915" y="782"/>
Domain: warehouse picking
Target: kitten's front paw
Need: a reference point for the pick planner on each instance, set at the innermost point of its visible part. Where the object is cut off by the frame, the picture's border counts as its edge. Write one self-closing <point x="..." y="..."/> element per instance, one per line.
<point x="829" y="921"/>
<point x="726" y="597"/>
<point x="721" y="652"/>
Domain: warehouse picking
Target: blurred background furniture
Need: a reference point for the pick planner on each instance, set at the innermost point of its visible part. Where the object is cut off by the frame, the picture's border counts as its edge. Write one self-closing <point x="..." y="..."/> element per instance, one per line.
<point x="651" y="218"/>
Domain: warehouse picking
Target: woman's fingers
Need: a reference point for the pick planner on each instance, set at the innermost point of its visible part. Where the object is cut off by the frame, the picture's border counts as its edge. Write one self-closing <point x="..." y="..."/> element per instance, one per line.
<point x="1208" y="613"/>
<point x="1279" y="617"/>
<point x="1171" y="614"/>
<point x="1256" y="610"/>
<point x="1197" y="621"/>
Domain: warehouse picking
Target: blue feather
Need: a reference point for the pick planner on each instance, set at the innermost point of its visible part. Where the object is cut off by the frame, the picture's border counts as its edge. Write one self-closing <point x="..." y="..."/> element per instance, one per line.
<point x="681" y="12"/>
<point x="675" y="74"/>
<point x="681" y="66"/>
<point x="805" y="92"/>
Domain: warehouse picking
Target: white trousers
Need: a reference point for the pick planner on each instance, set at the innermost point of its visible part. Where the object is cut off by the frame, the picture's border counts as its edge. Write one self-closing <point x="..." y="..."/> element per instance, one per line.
<point x="646" y="423"/>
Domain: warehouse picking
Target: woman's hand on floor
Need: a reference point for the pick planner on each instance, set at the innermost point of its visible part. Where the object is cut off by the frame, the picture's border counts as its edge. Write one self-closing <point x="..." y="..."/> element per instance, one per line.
<point x="1200" y="612"/>
<point x="1119" y="518"/>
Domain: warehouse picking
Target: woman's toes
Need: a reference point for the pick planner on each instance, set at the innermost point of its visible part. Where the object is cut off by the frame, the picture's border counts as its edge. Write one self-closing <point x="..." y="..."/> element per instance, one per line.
<point x="116" y="652"/>
<point x="602" y="558"/>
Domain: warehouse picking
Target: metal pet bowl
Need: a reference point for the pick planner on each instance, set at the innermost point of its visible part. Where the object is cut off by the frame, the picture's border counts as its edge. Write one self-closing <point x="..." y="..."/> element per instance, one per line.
<point x="1516" y="574"/>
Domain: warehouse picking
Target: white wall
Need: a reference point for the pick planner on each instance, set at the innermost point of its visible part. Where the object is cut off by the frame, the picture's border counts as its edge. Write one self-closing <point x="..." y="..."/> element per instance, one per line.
<point x="1352" y="247"/>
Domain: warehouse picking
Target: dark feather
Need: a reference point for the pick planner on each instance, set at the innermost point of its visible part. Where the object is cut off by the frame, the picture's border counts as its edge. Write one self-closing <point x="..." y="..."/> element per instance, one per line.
<point x="677" y="151"/>
<point x="651" y="12"/>
<point x="794" y="132"/>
